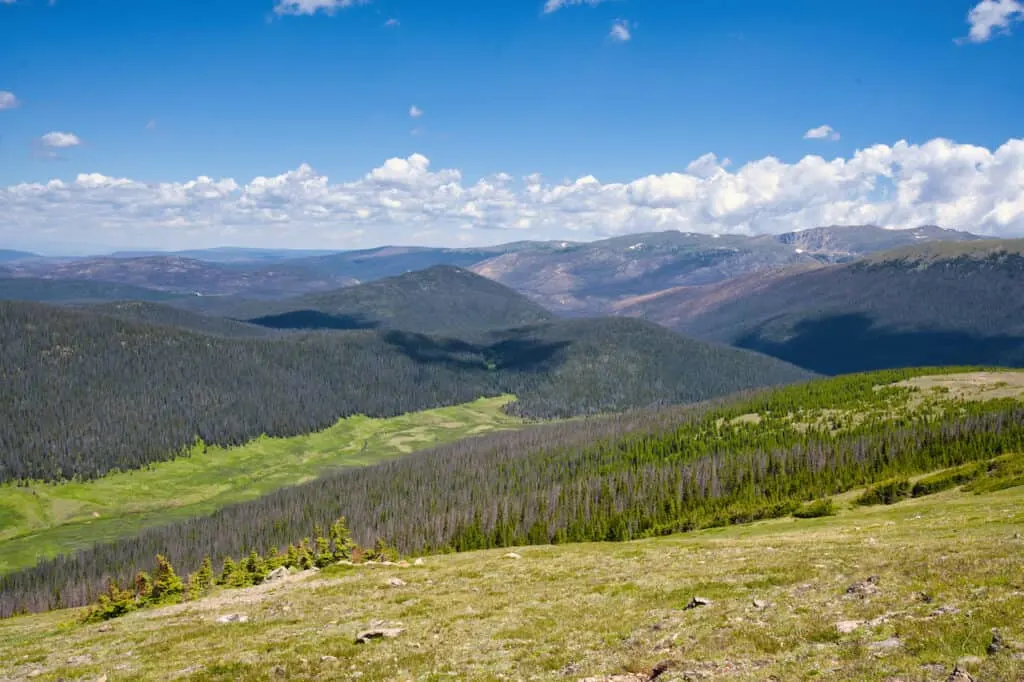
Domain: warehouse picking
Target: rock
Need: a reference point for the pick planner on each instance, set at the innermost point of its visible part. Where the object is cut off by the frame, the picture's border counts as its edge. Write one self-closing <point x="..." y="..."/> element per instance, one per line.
<point x="328" y="659"/>
<point x="760" y="604"/>
<point x="996" y="645"/>
<point x="396" y="582"/>
<point x="845" y="627"/>
<point x="965" y="661"/>
<point x="35" y="673"/>
<point x="378" y="633"/>
<point x="280" y="671"/>
<point x="403" y="564"/>
<point x="84" y="659"/>
<point x="418" y="562"/>
<point x="106" y="627"/>
<point x="959" y="675"/>
<point x="658" y="670"/>
<point x="923" y="597"/>
<point x="102" y="678"/>
<point x="943" y="610"/>
<point x="863" y="588"/>
<point x="278" y="573"/>
<point x="891" y="643"/>
<point x="512" y="555"/>
<point x="697" y="602"/>
<point x="233" y="618"/>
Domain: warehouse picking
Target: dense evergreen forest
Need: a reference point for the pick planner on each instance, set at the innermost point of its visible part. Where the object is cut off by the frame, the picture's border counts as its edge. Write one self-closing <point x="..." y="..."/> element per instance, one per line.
<point x="611" y="478"/>
<point x="84" y="393"/>
<point x="942" y="304"/>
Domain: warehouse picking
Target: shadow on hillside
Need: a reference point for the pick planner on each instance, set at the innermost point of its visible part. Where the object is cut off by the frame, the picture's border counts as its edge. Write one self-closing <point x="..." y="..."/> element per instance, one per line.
<point x="314" y="319"/>
<point x="518" y="355"/>
<point x="841" y="344"/>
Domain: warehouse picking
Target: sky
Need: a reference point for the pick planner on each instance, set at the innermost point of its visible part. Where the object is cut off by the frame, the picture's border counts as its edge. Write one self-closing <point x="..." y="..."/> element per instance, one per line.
<point x="354" y="123"/>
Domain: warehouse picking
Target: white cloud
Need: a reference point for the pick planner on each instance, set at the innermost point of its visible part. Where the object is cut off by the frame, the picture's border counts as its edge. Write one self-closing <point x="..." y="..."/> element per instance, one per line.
<point x="415" y="111"/>
<point x="620" y="31"/>
<point x="825" y="132"/>
<point x="298" y="7"/>
<point x="407" y="200"/>
<point x="392" y="23"/>
<point x="58" y="140"/>
<point x="992" y="17"/>
<point x="7" y="99"/>
<point x="555" y="5"/>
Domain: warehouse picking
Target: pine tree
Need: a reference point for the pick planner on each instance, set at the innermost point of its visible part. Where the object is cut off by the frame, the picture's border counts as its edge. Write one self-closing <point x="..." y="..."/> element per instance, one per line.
<point x="167" y="586"/>
<point x="204" y="578"/>
<point x="341" y="539"/>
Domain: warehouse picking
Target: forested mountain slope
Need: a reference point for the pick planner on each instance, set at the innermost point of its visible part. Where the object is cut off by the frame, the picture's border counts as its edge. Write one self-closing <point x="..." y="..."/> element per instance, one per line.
<point x="162" y="315"/>
<point x="84" y="393"/>
<point x="613" y="478"/>
<point x="939" y="304"/>
<point x="75" y="291"/>
<point x="441" y="299"/>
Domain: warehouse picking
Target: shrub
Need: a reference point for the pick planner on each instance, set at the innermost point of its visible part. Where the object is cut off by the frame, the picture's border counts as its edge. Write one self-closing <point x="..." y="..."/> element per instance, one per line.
<point x="947" y="479"/>
<point x="818" y="508"/>
<point x="888" y="492"/>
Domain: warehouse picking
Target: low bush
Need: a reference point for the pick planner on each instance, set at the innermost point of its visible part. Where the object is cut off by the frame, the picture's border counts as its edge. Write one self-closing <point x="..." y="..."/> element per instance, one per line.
<point x="888" y="492"/>
<point x="947" y="479"/>
<point x="818" y="508"/>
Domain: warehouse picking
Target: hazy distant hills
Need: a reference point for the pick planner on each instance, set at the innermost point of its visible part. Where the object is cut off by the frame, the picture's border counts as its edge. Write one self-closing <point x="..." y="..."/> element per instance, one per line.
<point x="568" y="277"/>
<point x="75" y="290"/>
<point x="931" y="304"/>
<point x="10" y="256"/>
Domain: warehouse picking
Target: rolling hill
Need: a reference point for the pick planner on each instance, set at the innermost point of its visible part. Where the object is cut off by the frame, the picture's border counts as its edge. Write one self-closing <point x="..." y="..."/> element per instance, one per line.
<point x="933" y="304"/>
<point x="440" y="299"/>
<point x="86" y="392"/>
<point x="162" y="315"/>
<point x="75" y="291"/>
<point x="10" y="255"/>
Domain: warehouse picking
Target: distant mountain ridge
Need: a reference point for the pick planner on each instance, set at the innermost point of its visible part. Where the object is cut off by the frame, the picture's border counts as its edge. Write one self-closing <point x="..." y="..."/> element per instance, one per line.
<point x="564" y="276"/>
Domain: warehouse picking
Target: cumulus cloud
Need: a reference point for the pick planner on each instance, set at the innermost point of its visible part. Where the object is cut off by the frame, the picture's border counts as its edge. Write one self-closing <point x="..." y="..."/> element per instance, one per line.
<point x="299" y="7"/>
<point x="58" y="140"/>
<point x="555" y="5"/>
<point x="415" y="111"/>
<point x="408" y="200"/>
<point x="392" y="23"/>
<point x="620" y="31"/>
<point x="7" y="99"/>
<point x="991" y="17"/>
<point x="825" y="132"/>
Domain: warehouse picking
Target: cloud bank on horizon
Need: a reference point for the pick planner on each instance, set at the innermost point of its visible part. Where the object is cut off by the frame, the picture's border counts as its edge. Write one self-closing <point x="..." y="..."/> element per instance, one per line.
<point x="406" y="201"/>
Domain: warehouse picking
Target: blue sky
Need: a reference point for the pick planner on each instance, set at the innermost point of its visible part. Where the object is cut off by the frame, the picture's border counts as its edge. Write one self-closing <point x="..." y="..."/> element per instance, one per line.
<point x="165" y="92"/>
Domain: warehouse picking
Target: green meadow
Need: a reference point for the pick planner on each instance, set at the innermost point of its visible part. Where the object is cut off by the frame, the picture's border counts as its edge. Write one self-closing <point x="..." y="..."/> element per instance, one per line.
<point x="45" y="519"/>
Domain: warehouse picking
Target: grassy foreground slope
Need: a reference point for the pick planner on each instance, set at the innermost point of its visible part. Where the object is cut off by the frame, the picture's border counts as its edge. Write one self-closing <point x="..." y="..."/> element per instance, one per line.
<point x="947" y="569"/>
<point x="43" y="519"/>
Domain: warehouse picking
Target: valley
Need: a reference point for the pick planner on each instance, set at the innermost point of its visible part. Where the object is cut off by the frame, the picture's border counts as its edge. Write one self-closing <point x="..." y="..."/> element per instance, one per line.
<point x="41" y="520"/>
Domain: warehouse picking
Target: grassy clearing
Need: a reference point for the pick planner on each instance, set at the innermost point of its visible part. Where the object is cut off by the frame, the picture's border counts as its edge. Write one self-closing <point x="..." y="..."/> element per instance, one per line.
<point x="44" y="519"/>
<point x="948" y="568"/>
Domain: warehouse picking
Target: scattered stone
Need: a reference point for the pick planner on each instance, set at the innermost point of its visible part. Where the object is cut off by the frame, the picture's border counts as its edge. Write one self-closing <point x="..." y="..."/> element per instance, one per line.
<point x="84" y="659"/>
<point x="997" y="644"/>
<point x="102" y="678"/>
<point x="697" y="602"/>
<point x="891" y="643"/>
<point x="845" y="627"/>
<point x="944" y="610"/>
<point x="233" y="618"/>
<point x="328" y="659"/>
<point x="959" y="675"/>
<point x="570" y="668"/>
<point x="512" y="555"/>
<point x="378" y="633"/>
<point x="106" y="627"/>
<point x="35" y="673"/>
<point x="418" y="562"/>
<point x="280" y="671"/>
<point x="923" y="597"/>
<point x="396" y="582"/>
<point x="403" y="564"/>
<point x="630" y="677"/>
<point x="760" y="604"/>
<point x="278" y="573"/>
<point x="863" y="588"/>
